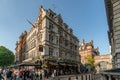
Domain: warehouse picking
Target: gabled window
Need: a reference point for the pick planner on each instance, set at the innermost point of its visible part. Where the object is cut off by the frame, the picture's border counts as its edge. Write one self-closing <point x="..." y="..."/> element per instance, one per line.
<point x="51" y="15"/>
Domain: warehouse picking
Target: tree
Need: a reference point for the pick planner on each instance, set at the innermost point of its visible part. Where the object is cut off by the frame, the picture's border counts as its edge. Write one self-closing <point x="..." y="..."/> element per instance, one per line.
<point x="6" y="57"/>
<point x="90" y="60"/>
<point x="89" y="63"/>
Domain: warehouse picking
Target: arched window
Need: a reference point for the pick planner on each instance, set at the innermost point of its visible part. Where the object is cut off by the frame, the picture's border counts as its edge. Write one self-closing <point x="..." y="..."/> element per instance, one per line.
<point x="103" y="65"/>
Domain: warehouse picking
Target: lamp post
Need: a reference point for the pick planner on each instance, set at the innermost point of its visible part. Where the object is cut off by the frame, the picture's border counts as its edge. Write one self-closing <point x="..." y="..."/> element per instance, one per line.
<point x="58" y="66"/>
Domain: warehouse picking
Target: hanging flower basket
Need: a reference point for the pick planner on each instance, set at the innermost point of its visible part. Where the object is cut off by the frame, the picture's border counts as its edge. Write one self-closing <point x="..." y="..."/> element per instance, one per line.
<point x="44" y="66"/>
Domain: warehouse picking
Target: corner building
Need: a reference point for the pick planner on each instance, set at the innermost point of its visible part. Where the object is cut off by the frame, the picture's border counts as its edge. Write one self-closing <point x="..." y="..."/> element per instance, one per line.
<point x="49" y="41"/>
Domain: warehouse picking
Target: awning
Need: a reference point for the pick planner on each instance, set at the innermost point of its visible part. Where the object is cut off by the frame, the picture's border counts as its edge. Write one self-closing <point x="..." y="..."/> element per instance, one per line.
<point x="28" y="64"/>
<point x="71" y="64"/>
<point x="28" y="60"/>
<point x="53" y="63"/>
<point x="117" y="70"/>
<point x="62" y="63"/>
<point x="114" y="72"/>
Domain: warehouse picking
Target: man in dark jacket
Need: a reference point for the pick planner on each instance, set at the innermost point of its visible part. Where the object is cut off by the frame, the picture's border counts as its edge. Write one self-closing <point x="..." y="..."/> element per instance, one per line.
<point x="9" y="75"/>
<point x="1" y="77"/>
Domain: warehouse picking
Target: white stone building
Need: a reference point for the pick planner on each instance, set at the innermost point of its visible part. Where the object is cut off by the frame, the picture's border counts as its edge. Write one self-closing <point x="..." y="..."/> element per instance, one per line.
<point x="49" y="40"/>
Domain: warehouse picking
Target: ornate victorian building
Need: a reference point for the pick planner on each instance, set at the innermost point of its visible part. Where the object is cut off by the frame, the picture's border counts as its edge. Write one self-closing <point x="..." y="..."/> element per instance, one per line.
<point x="49" y="41"/>
<point x="87" y="49"/>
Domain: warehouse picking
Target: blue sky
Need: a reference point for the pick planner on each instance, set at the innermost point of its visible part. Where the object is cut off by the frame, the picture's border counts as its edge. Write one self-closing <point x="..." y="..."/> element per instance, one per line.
<point x="87" y="18"/>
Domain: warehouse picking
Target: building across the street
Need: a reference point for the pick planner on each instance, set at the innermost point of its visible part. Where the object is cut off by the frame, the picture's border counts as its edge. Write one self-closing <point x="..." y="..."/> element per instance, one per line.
<point x="103" y="62"/>
<point x="50" y="42"/>
<point x="87" y="49"/>
<point x="113" y="18"/>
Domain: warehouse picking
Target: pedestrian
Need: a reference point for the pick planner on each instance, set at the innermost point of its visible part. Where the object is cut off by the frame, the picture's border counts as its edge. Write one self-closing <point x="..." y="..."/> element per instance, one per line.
<point x="1" y="77"/>
<point x="53" y="75"/>
<point x="39" y="75"/>
<point x="32" y="74"/>
<point x="47" y="73"/>
<point x="9" y="74"/>
<point x="27" y="73"/>
<point x="17" y="75"/>
<point x="43" y="74"/>
<point x="36" y="74"/>
<point x="54" y="72"/>
<point x="21" y="72"/>
<point x="14" y="74"/>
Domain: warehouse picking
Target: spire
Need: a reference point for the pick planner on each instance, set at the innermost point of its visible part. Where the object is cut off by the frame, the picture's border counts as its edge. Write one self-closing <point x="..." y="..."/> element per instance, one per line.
<point x="92" y="41"/>
<point x="83" y="42"/>
<point x="41" y="9"/>
<point x="41" y="6"/>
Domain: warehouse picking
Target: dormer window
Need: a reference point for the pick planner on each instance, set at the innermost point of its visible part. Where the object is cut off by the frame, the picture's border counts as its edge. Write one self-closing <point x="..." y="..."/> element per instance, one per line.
<point x="51" y="15"/>
<point x="71" y="30"/>
<point x="60" y="21"/>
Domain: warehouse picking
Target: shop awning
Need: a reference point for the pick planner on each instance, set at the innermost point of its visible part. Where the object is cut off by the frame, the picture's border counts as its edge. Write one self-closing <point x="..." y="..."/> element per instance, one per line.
<point x="53" y="63"/>
<point x="62" y="63"/>
<point x="28" y="64"/>
<point x="28" y="60"/>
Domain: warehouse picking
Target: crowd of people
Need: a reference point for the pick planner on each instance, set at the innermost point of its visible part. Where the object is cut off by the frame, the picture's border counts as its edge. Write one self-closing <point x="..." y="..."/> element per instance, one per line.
<point x="31" y="73"/>
<point x="24" y="74"/>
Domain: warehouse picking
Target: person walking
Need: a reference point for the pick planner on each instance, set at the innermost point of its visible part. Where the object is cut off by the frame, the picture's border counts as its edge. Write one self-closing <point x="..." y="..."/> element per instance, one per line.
<point x="43" y="74"/>
<point x="39" y="75"/>
<point x="9" y="75"/>
<point x="17" y="74"/>
<point x="1" y="77"/>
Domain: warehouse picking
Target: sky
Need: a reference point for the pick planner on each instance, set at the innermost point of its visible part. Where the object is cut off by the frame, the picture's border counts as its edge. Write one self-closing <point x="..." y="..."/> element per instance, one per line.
<point x="87" y="18"/>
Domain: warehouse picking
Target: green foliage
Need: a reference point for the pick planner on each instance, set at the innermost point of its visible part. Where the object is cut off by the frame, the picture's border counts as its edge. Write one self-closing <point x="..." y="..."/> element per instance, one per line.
<point x="37" y="58"/>
<point x="44" y="66"/>
<point x="50" y="58"/>
<point x="6" y="57"/>
<point x="90" y="60"/>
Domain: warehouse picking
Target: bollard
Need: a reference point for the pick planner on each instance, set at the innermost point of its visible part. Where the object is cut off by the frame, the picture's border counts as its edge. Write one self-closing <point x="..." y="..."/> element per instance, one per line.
<point x="58" y="78"/>
<point x="69" y="78"/>
<point x="76" y="77"/>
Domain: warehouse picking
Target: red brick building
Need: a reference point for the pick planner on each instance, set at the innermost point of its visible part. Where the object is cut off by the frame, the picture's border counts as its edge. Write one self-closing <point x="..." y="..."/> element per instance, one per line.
<point x="86" y="49"/>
